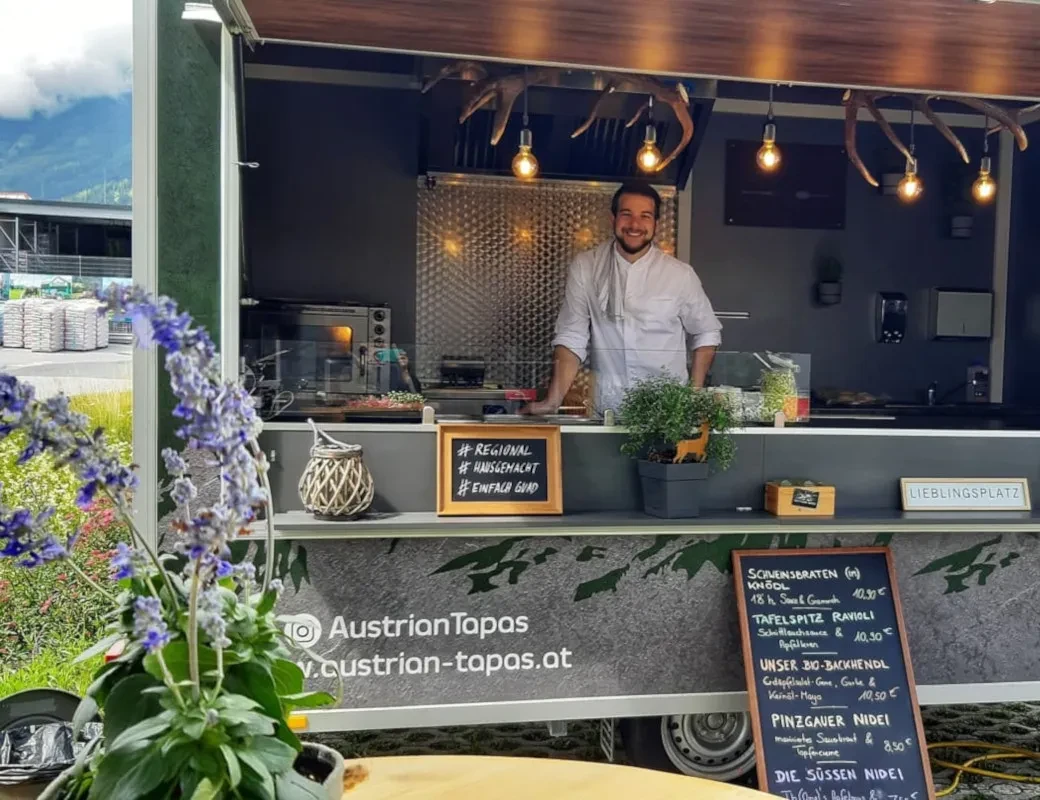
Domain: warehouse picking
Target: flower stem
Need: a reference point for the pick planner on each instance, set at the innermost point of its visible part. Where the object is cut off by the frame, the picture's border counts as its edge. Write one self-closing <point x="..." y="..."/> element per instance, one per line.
<point x="169" y="677"/>
<point x="90" y="581"/>
<point x="220" y="670"/>
<point x="124" y="512"/>
<point x="193" y="629"/>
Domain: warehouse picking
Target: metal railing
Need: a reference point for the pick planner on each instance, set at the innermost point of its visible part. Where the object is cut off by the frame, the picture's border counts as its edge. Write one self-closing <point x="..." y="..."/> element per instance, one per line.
<point x="76" y="266"/>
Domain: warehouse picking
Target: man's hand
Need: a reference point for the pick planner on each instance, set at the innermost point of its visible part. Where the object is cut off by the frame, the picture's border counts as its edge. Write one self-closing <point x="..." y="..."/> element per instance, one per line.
<point x="540" y="408"/>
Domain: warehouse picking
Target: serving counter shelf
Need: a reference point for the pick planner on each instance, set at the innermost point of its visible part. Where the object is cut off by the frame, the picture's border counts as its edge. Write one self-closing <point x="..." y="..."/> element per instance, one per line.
<point x="301" y="525"/>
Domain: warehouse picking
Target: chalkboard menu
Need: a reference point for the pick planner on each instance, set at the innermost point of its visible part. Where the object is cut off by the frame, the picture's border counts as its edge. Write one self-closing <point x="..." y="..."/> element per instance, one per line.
<point x="499" y="469"/>
<point x="829" y="677"/>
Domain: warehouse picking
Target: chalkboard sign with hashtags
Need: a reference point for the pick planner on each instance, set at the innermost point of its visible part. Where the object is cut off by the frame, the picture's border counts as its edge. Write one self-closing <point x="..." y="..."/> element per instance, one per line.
<point x="498" y="469"/>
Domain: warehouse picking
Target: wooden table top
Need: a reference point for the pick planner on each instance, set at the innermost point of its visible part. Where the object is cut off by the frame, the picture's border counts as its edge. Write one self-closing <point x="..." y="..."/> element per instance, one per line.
<point x="512" y="778"/>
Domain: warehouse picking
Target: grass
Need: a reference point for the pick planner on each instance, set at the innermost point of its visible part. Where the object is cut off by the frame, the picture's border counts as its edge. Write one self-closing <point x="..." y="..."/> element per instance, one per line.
<point x="53" y="669"/>
<point x="49" y="615"/>
<point x="112" y="411"/>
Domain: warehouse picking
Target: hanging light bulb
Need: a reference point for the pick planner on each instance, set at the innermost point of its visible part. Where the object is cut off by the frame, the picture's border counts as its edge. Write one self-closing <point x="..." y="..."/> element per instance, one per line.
<point x="649" y="156"/>
<point x="525" y="165"/>
<point x="985" y="188"/>
<point x="910" y="187"/>
<point x="768" y="156"/>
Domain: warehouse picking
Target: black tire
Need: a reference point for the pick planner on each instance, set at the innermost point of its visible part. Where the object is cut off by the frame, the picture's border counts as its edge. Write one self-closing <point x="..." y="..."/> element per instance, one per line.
<point x="644" y="746"/>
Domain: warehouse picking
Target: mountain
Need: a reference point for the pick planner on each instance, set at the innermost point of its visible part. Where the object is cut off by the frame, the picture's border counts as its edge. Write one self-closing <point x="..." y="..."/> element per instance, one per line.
<point x="74" y="154"/>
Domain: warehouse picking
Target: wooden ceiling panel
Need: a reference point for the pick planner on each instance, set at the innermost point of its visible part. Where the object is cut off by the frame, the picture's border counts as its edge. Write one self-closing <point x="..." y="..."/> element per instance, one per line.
<point x="951" y="46"/>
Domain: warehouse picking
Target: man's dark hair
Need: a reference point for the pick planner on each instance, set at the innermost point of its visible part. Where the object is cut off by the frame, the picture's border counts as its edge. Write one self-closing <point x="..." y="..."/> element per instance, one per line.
<point x="640" y="188"/>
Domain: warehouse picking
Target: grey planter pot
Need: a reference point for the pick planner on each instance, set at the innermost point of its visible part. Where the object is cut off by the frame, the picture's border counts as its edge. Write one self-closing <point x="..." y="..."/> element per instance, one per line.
<point x="321" y="759"/>
<point x="672" y="491"/>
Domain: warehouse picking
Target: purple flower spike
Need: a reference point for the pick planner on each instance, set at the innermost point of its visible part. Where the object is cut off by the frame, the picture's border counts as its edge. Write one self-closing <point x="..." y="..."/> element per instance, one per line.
<point x="149" y="625"/>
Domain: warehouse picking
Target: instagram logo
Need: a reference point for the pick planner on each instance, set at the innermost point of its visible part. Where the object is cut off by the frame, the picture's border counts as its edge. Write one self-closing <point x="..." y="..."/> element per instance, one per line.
<point x="305" y="629"/>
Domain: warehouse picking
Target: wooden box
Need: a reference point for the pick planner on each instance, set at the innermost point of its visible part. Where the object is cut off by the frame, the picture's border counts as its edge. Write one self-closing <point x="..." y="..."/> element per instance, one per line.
<point x="799" y="501"/>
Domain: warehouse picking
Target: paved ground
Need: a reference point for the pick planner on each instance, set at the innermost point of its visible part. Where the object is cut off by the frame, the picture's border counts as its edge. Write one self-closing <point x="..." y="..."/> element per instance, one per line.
<point x="74" y="373"/>
<point x="1016" y="725"/>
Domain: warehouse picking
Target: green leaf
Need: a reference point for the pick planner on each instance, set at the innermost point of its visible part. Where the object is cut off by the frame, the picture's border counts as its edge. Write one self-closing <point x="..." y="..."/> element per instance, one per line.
<point x="248" y="723"/>
<point x="104" y="679"/>
<point x="194" y="729"/>
<point x="126" y="705"/>
<point x="137" y="736"/>
<point x="207" y="790"/>
<point x="288" y="677"/>
<point x="97" y="649"/>
<point x="283" y="733"/>
<point x="234" y="770"/>
<point x="175" y="654"/>
<point x="254" y="680"/>
<point x="238" y="702"/>
<point x="85" y="712"/>
<point x="267" y="601"/>
<point x="275" y="754"/>
<point x="127" y="776"/>
<point x="263" y="780"/>
<point x="308" y="700"/>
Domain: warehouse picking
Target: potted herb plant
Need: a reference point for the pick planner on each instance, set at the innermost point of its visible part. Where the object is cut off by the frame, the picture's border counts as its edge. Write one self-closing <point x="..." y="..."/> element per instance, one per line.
<point x="678" y="434"/>
<point x="197" y="703"/>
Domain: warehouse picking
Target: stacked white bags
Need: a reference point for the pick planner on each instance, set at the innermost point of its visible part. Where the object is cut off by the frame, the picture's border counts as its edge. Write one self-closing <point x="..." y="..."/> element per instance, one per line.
<point x="102" y="330"/>
<point x="45" y="326"/>
<point x="14" y="321"/>
<point x="81" y="328"/>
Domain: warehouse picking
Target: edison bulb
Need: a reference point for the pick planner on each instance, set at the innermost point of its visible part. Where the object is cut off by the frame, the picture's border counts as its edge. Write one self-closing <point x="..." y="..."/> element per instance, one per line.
<point x="910" y="187"/>
<point x="525" y="165"/>
<point x="769" y="156"/>
<point x="985" y="188"/>
<point x="648" y="157"/>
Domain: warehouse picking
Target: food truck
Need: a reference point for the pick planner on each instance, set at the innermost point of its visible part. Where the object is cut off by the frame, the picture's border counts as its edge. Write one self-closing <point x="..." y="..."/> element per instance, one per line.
<point x="376" y="205"/>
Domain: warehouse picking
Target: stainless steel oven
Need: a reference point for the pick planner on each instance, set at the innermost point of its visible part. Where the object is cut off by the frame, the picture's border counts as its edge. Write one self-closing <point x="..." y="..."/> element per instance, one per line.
<point x="317" y="348"/>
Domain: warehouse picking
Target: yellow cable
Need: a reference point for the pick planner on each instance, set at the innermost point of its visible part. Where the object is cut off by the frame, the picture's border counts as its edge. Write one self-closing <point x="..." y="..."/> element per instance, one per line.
<point x="1003" y="753"/>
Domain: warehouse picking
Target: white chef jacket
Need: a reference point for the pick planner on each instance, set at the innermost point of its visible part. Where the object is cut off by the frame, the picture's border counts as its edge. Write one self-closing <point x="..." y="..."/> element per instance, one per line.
<point x="634" y="321"/>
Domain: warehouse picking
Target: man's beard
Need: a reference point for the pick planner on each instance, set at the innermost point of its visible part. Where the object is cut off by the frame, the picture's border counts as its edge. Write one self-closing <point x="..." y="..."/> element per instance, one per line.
<point x="632" y="251"/>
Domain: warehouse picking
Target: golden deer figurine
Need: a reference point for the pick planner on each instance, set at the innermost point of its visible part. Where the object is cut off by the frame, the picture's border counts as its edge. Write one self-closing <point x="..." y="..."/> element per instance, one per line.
<point x="693" y="447"/>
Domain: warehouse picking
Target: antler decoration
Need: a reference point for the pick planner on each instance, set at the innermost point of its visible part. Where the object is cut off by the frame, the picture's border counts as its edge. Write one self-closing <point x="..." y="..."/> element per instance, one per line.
<point x="505" y="89"/>
<point x="855" y="99"/>
<point x="675" y="97"/>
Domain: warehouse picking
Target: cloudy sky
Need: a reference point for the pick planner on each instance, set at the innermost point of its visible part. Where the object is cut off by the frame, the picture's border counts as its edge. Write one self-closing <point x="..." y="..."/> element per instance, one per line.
<point x="55" y="52"/>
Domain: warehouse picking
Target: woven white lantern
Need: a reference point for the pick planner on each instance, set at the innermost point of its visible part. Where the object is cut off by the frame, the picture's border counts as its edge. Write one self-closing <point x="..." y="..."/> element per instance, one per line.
<point x="336" y="484"/>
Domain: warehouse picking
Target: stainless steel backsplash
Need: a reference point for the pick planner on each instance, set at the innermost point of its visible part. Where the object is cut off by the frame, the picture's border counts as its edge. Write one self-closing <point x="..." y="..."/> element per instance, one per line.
<point x="492" y="261"/>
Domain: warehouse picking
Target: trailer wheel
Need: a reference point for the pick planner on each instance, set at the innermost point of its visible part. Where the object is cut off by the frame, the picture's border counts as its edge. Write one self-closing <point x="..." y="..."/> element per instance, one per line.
<point x="719" y="747"/>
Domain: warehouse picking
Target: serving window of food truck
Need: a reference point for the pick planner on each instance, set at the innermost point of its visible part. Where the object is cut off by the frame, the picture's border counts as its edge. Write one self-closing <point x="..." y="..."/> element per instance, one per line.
<point x="825" y="231"/>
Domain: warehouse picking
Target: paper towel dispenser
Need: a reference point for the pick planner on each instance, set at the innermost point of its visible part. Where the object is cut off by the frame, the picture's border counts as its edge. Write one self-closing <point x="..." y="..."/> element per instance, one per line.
<point x="961" y="314"/>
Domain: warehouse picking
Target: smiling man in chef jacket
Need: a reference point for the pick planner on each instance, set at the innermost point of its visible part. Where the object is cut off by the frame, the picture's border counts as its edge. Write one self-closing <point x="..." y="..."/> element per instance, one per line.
<point x="633" y="309"/>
